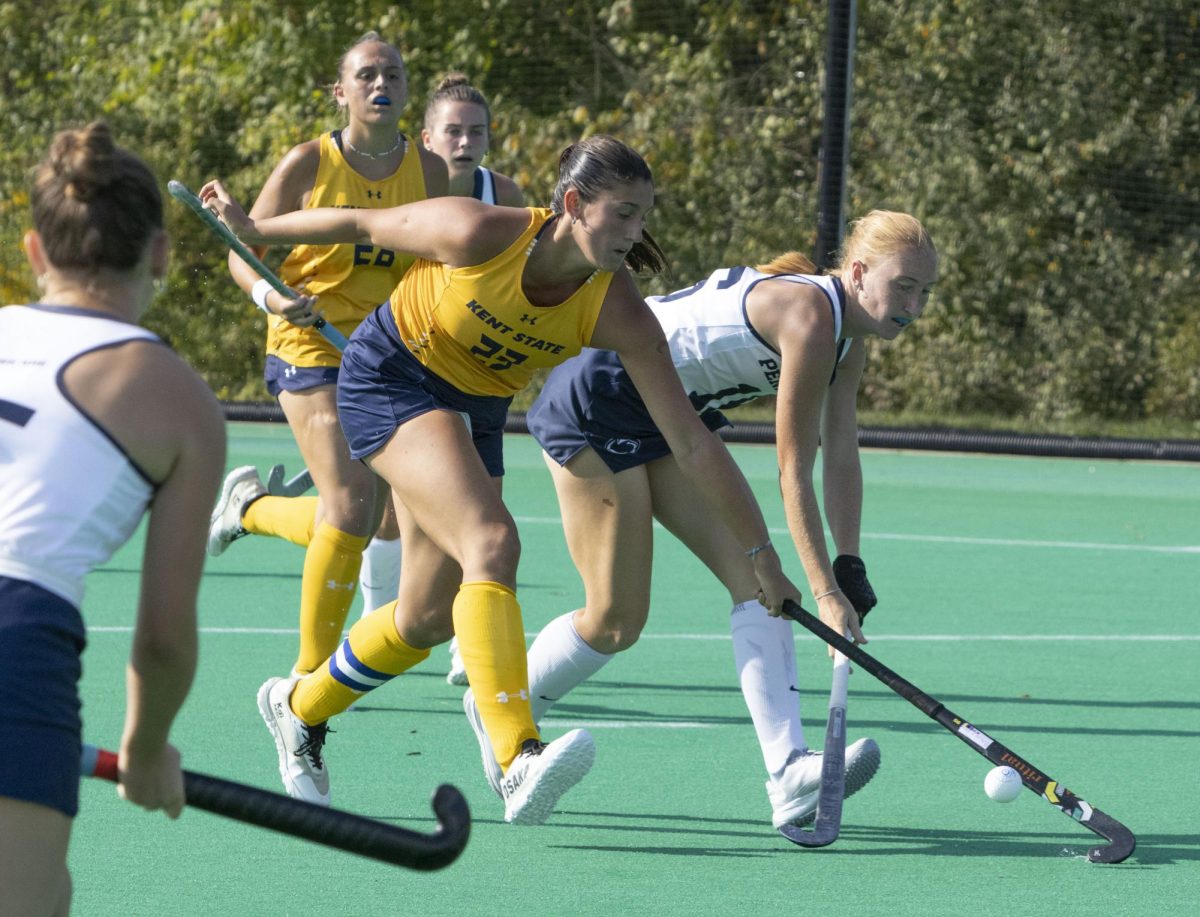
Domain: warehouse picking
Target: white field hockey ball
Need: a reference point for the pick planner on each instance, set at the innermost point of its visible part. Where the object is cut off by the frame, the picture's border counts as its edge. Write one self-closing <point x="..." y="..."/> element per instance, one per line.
<point x="1002" y="784"/>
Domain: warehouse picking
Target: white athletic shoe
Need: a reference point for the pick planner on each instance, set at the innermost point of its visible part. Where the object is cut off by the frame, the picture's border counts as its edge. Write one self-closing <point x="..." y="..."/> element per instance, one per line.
<point x="225" y="526"/>
<point x="794" y="796"/>
<point x="491" y="767"/>
<point x="301" y="763"/>
<point x="540" y="774"/>
<point x="457" y="674"/>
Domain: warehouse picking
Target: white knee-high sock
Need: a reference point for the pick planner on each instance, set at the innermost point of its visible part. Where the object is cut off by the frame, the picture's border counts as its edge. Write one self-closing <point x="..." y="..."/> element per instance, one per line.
<point x="559" y="660"/>
<point x="765" y="654"/>
<point x="379" y="578"/>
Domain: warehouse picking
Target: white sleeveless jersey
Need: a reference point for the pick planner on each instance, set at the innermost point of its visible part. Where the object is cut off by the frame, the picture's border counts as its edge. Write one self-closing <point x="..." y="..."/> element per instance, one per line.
<point x="69" y="495"/>
<point x="485" y="186"/>
<point x="717" y="353"/>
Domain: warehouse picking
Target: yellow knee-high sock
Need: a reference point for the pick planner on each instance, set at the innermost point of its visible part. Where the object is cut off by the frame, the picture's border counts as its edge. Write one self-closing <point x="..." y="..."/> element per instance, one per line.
<point x="491" y="641"/>
<point x="290" y="518"/>
<point x="326" y="591"/>
<point x="372" y="654"/>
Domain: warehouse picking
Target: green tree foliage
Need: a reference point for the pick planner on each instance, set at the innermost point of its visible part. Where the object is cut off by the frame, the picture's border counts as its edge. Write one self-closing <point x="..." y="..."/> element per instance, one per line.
<point x="1051" y="147"/>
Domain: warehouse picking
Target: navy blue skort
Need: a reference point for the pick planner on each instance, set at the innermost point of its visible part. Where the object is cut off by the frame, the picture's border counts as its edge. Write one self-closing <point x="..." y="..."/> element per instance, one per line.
<point x="42" y="637"/>
<point x="589" y="400"/>
<point x="382" y="385"/>
<point x="282" y="376"/>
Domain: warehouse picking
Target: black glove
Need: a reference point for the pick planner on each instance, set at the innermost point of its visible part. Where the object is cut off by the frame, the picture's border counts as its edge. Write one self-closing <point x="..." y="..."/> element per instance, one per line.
<point x="851" y="575"/>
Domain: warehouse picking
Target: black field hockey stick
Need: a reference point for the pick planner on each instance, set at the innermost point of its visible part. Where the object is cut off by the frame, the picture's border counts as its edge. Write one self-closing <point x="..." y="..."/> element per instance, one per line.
<point x="1120" y="839"/>
<point x="330" y="827"/>
<point x="828" y="822"/>
<point x="180" y="192"/>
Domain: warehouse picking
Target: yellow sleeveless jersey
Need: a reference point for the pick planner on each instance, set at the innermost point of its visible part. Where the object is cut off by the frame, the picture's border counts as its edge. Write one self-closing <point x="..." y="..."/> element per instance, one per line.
<point x="473" y="326"/>
<point x="350" y="279"/>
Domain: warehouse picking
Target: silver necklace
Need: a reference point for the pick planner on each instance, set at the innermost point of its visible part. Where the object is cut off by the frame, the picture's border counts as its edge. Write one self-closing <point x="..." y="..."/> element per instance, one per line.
<point x="396" y="146"/>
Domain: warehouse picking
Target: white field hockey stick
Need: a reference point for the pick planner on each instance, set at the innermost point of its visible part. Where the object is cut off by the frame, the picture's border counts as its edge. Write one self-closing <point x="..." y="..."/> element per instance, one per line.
<point x="828" y="822"/>
<point x="180" y="192"/>
<point x="331" y="827"/>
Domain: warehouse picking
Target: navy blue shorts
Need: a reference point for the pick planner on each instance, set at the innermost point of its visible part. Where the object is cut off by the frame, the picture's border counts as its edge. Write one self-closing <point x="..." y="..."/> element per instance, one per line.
<point x="282" y="376"/>
<point x="382" y="386"/>
<point x="590" y="401"/>
<point x="41" y="640"/>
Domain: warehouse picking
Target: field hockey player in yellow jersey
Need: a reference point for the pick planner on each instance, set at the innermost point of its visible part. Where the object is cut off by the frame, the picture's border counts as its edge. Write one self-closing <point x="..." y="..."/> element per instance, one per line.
<point x="496" y="294"/>
<point x="369" y="163"/>
<point x="458" y="129"/>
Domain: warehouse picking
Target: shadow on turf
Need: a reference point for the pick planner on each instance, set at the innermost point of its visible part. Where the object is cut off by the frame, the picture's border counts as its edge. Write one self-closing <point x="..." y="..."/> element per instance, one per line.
<point x="566" y="715"/>
<point x="856" y="840"/>
<point x="953" y="700"/>
<point x="819" y="691"/>
<point x="1152" y="849"/>
<point x="208" y="574"/>
<point x="884" y="840"/>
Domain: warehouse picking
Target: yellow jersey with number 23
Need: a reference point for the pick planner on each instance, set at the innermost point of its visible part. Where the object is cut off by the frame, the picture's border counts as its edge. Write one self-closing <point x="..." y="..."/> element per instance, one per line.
<point x="474" y="327"/>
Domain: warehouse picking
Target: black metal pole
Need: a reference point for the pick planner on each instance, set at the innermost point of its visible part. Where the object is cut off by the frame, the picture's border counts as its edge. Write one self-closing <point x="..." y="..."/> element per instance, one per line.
<point x="835" y="130"/>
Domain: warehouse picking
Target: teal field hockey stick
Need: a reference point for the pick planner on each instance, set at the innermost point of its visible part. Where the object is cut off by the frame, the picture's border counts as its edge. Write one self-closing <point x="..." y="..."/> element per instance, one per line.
<point x="180" y="192"/>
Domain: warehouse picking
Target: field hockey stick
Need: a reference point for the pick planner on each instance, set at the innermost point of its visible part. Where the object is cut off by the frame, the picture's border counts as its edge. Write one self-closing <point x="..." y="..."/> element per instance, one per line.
<point x="1121" y="839"/>
<point x="180" y="192"/>
<point x="276" y="486"/>
<point x="292" y="487"/>
<point x="828" y="822"/>
<point x="330" y="827"/>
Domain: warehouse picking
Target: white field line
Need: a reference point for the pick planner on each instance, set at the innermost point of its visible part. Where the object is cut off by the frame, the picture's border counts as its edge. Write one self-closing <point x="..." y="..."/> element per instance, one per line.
<point x="964" y="539"/>
<point x="910" y="638"/>
<point x="570" y="722"/>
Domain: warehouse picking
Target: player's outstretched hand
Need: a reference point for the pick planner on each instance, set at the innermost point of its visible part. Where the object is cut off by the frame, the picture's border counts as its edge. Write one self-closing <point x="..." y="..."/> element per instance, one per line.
<point x="152" y="782"/>
<point x="216" y="197"/>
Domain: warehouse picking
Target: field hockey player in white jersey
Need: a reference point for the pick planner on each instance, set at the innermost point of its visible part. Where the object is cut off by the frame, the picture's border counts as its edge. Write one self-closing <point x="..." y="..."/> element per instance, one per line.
<point x="99" y="422"/>
<point x="739" y="334"/>
<point x="458" y="127"/>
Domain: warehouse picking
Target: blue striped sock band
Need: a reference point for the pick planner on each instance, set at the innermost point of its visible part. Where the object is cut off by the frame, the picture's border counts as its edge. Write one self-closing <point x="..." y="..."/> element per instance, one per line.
<point x="348" y="669"/>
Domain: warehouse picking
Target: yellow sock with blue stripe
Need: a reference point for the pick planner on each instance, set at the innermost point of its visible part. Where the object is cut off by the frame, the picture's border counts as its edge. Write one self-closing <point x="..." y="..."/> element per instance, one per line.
<point x="372" y="654"/>
<point x="491" y="642"/>
<point x="330" y="578"/>
<point x="289" y="518"/>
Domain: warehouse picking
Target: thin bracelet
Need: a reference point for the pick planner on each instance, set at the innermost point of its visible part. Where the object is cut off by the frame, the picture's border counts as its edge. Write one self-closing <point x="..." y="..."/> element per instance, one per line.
<point x="823" y="594"/>
<point x="762" y="547"/>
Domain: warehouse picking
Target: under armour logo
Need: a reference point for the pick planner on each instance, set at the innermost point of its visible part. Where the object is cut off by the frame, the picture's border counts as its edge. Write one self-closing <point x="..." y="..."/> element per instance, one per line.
<point x="503" y="696"/>
<point x="334" y="585"/>
<point x="377" y="195"/>
<point x="529" y="319"/>
<point x="290" y="371"/>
